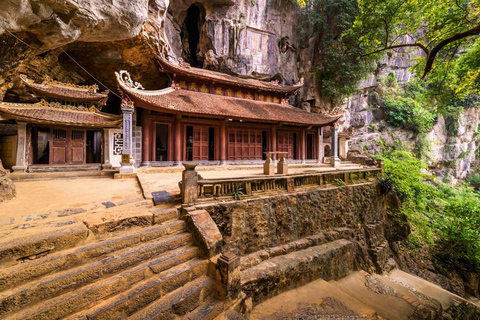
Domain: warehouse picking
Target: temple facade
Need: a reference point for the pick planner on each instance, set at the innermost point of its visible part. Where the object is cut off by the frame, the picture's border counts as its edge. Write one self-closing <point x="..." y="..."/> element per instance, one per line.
<point x="211" y="117"/>
<point x="65" y="129"/>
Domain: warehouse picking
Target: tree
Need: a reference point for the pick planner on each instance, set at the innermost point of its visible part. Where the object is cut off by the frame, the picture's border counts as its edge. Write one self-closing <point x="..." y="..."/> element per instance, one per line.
<point x="445" y="33"/>
<point x="431" y="26"/>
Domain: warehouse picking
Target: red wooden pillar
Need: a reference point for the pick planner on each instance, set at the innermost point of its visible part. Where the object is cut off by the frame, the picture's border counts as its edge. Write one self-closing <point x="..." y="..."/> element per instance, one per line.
<point x="273" y="140"/>
<point x="177" y="154"/>
<point x="319" y="139"/>
<point x="303" y="144"/>
<point x="147" y="137"/>
<point x="223" y="142"/>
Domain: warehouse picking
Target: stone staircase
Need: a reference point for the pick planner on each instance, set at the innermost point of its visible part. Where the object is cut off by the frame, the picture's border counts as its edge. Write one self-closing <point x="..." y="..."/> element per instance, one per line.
<point x="141" y="272"/>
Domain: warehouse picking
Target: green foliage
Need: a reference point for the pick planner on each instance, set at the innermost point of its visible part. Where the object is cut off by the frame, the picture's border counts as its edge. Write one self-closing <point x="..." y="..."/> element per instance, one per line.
<point x="474" y="181"/>
<point x="458" y="228"/>
<point x="445" y="217"/>
<point x="339" y="182"/>
<point x="432" y="26"/>
<point x="407" y="107"/>
<point x="238" y="193"/>
<point x="337" y="66"/>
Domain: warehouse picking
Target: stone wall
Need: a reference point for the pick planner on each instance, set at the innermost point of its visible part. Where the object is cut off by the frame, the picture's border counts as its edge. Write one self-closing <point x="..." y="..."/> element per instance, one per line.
<point x="251" y="225"/>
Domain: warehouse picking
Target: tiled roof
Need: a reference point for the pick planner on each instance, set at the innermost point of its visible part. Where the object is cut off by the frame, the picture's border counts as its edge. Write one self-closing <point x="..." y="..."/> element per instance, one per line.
<point x="45" y="115"/>
<point x="64" y="92"/>
<point x="223" y="78"/>
<point x="204" y="104"/>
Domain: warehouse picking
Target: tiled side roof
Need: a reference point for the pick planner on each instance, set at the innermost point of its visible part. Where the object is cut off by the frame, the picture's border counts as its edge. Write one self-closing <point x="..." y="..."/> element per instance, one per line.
<point x="204" y="104"/>
<point x="45" y="115"/>
<point x="223" y="78"/>
<point x="64" y="92"/>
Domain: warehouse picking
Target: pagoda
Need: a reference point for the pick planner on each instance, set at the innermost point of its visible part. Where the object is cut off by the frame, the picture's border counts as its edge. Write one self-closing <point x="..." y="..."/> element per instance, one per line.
<point x="64" y="129"/>
<point x="211" y="117"/>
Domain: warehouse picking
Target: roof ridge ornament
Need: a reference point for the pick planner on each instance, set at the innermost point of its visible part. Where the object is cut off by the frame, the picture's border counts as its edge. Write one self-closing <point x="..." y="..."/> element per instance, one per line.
<point x="49" y="81"/>
<point x="124" y="77"/>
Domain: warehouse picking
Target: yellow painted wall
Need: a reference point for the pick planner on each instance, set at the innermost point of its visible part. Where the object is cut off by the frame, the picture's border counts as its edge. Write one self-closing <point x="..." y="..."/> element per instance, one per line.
<point x="8" y="151"/>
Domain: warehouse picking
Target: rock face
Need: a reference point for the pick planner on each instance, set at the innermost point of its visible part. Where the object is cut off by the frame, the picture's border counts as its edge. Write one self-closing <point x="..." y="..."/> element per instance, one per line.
<point x="452" y="153"/>
<point x="56" y="23"/>
<point x="7" y="188"/>
<point x="244" y="34"/>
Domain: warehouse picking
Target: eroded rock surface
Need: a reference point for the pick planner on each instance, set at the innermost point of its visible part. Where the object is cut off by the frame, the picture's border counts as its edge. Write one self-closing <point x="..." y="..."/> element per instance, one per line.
<point x="7" y="188"/>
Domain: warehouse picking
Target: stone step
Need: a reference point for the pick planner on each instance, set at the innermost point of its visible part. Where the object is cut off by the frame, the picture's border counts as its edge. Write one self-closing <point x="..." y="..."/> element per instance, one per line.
<point x="53" y="284"/>
<point x="29" y="244"/>
<point x="88" y="296"/>
<point x="146" y="292"/>
<point x="178" y="302"/>
<point x="207" y="310"/>
<point x="328" y="261"/>
<point x="21" y="273"/>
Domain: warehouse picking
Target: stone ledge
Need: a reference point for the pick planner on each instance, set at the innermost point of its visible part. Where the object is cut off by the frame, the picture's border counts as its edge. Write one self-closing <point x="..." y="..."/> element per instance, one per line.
<point x="329" y="261"/>
<point x="124" y="175"/>
<point x="205" y="231"/>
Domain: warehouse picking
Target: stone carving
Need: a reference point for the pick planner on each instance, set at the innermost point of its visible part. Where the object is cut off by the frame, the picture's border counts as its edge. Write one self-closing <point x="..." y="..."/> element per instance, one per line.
<point x="183" y="63"/>
<point x="210" y="61"/>
<point x="117" y="143"/>
<point x="124" y="76"/>
<point x="284" y="45"/>
<point x="7" y="188"/>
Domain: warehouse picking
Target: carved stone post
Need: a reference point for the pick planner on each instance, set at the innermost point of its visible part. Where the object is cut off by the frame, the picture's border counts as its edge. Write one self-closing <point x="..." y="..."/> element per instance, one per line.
<point x="335" y="160"/>
<point x="282" y="166"/>
<point x="320" y="145"/>
<point x="343" y="148"/>
<point x="107" y="165"/>
<point x="268" y="166"/>
<point x="127" y="159"/>
<point x="228" y="269"/>
<point x="189" y="183"/>
<point x="21" y="162"/>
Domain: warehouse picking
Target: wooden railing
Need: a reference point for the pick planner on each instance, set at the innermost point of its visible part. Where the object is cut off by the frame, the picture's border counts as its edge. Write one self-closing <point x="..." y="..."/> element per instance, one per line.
<point x="240" y="187"/>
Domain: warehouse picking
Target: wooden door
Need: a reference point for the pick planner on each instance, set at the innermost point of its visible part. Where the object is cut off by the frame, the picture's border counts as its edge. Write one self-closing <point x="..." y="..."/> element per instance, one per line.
<point x="200" y="143"/>
<point x="286" y="143"/>
<point x="77" y="147"/>
<point x="244" y="144"/>
<point x="59" y="146"/>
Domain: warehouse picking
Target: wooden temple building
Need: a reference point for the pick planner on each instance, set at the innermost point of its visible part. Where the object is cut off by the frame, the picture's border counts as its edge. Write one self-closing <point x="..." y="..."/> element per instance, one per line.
<point x="64" y="129"/>
<point x="211" y="117"/>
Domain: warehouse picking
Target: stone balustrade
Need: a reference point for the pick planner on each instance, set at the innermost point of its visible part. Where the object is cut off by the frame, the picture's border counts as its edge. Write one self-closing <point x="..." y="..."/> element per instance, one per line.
<point x="238" y="188"/>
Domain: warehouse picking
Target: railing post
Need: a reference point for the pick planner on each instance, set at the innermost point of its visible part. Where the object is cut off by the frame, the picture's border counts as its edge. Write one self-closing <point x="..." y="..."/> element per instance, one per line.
<point x="248" y="188"/>
<point x="228" y="272"/>
<point x="381" y="165"/>
<point x="290" y="184"/>
<point x="189" y="183"/>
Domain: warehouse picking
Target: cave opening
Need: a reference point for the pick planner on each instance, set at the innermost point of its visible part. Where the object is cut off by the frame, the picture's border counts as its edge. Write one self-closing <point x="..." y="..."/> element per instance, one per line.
<point x="191" y="34"/>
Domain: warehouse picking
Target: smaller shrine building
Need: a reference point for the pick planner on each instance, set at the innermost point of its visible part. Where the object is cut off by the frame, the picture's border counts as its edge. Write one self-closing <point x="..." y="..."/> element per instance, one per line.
<point x="65" y="129"/>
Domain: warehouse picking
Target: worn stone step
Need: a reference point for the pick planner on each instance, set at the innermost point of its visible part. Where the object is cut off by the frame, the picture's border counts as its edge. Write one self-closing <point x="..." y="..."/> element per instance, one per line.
<point x="179" y="302"/>
<point x="161" y="215"/>
<point x="144" y="293"/>
<point x="89" y="295"/>
<point x="21" y="273"/>
<point x="51" y="285"/>
<point x="207" y="310"/>
<point x="328" y="261"/>
<point x="30" y="243"/>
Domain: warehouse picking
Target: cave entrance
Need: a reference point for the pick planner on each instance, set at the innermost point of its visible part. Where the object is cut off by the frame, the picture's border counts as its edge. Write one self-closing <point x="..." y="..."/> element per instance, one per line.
<point x="191" y="30"/>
